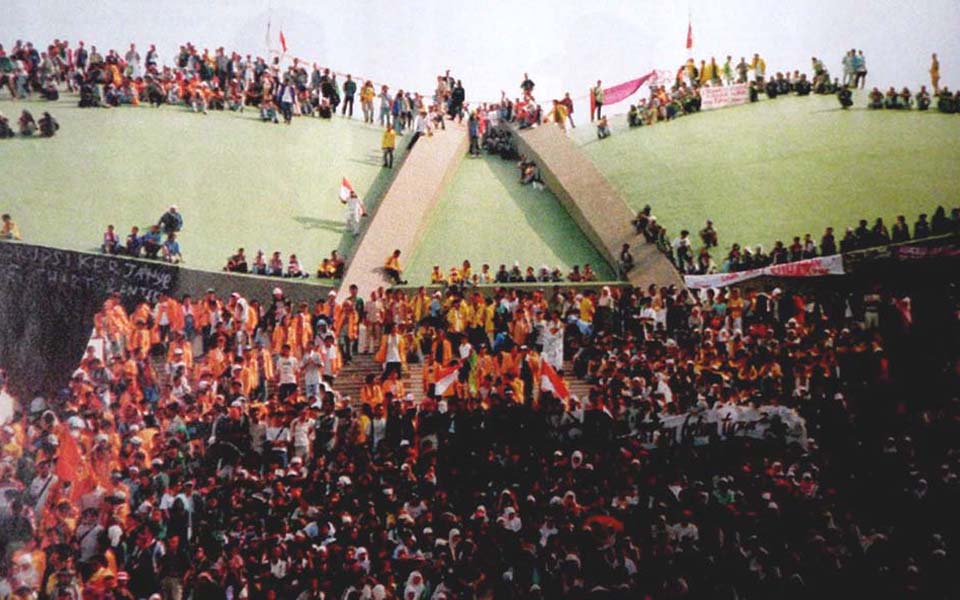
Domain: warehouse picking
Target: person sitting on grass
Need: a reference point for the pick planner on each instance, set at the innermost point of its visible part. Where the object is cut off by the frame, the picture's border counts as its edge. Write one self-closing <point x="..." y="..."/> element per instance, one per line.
<point x="923" y="98"/>
<point x="152" y="242"/>
<point x="275" y="265"/>
<point x="633" y="117"/>
<point x="111" y="241"/>
<point x="5" y="130"/>
<point x="393" y="269"/>
<point x="771" y="88"/>
<point x="259" y="266"/>
<point x="171" y="250"/>
<point x="892" y="100"/>
<point x="946" y="103"/>
<point x="134" y="242"/>
<point x="876" y="99"/>
<point x="268" y="111"/>
<point x="324" y="271"/>
<point x="27" y="124"/>
<point x="10" y="230"/>
<point x="603" y="128"/>
<point x="803" y="86"/>
<point x="846" y="97"/>
<point x="436" y="276"/>
<point x="295" y="269"/>
<point x="337" y="264"/>
<point x="237" y="263"/>
<point x="906" y="98"/>
<point x="588" y="273"/>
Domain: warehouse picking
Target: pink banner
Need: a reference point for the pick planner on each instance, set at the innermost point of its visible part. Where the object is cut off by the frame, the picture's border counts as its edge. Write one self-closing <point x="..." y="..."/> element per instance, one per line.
<point x="620" y="92"/>
<point x="812" y="267"/>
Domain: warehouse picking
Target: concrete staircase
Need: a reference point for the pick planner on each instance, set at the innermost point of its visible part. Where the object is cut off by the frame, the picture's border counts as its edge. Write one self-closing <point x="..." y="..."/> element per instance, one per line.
<point x="576" y="387"/>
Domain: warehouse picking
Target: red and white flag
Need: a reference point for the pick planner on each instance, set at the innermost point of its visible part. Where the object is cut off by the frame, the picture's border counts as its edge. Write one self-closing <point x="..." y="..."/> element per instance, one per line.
<point x="283" y="42"/>
<point x="446" y="376"/>
<point x="551" y="381"/>
<point x="346" y="190"/>
<point x="689" y="34"/>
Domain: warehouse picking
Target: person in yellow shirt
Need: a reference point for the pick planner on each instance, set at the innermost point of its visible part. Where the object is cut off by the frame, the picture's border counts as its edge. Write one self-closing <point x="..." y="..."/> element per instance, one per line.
<point x="367" y="94"/>
<point x="393" y="269"/>
<point x="388" y="143"/>
<point x="370" y="392"/>
<point x="436" y="276"/>
<point x="587" y="309"/>
<point x="10" y="231"/>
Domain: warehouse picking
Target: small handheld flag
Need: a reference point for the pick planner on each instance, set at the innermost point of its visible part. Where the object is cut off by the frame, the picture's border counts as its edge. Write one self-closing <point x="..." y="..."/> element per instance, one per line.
<point x="346" y="192"/>
<point x="689" y="35"/>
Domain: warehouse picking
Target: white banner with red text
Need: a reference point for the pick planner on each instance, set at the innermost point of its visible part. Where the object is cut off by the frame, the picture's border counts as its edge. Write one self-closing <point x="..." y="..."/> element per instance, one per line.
<point x="811" y="267"/>
<point x="726" y="95"/>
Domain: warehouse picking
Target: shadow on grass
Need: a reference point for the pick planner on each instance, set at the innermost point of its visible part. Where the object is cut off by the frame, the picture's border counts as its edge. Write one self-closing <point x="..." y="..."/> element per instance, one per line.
<point x="557" y="238"/>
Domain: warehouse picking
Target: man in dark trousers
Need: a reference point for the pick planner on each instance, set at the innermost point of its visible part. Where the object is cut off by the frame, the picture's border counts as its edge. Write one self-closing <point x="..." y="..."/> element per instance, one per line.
<point x="349" y="90"/>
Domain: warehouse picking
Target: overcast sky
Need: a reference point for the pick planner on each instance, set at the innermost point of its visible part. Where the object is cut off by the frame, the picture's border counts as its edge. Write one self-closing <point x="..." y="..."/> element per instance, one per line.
<point x="565" y="46"/>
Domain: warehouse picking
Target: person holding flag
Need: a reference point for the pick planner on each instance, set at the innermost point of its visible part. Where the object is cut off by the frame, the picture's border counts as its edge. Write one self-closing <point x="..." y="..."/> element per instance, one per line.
<point x="355" y="208"/>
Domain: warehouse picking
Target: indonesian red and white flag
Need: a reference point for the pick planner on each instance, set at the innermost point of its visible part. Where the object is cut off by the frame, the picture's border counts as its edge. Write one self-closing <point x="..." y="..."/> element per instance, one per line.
<point x="551" y="381"/>
<point x="283" y="42"/>
<point x="689" y="34"/>
<point x="345" y="189"/>
<point x="446" y="376"/>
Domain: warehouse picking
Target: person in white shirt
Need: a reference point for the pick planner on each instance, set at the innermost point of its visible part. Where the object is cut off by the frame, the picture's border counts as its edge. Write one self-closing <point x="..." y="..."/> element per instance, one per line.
<point x="312" y="366"/>
<point x="287" y="371"/>
<point x="302" y="429"/>
<point x="331" y="359"/>
<point x="420" y="128"/>
<point x="354" y="212"/>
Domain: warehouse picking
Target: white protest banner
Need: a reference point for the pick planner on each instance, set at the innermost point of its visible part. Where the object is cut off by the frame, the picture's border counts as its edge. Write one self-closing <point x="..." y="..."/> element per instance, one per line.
<point x="720" y="96"/>
<point x="811" y="267"/>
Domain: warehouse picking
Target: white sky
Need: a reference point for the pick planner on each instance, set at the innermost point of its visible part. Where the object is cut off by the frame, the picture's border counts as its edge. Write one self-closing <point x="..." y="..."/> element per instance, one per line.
<point x="564" y="45"/>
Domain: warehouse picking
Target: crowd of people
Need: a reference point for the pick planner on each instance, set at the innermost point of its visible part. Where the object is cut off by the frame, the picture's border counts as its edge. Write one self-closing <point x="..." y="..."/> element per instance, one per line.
<point x="732" y="444"/>
<point x="329" y="268"/>
<point x="690" y="258"/>
<point x="464" y="275"/>
<point x="158" y="242"/>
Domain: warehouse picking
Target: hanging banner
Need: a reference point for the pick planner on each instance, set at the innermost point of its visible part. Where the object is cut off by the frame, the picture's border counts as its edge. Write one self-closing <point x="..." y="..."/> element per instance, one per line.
<point x="812" y="267"/>
<point x="620" y="92"/>
<point x="720" y="96"/>
<point x="700" y="427"/>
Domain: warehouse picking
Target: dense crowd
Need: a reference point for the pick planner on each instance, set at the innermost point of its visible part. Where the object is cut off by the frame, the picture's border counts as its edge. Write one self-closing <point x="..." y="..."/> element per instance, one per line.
<point x="691" y="258"/>
<point x="733" y="444"/>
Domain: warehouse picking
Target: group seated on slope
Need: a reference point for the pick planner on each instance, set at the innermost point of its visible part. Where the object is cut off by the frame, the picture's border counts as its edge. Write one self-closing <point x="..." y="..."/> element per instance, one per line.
<point x="274" y="266"/>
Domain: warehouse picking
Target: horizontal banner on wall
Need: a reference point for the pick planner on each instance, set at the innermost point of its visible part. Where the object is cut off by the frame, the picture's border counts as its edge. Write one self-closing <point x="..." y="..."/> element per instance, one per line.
<point x="812" y="267"/>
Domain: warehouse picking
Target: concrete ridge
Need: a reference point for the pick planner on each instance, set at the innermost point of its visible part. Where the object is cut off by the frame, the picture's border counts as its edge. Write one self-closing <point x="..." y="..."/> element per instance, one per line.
<point x="594" y="204"/>
<point x="401" y="215"/>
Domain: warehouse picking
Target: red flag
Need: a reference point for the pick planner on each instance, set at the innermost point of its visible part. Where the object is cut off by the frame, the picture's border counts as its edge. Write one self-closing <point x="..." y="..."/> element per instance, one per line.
<point x="689" y="35"/>
<point x="551" y="381"/>
<point x="283" y="42"/>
